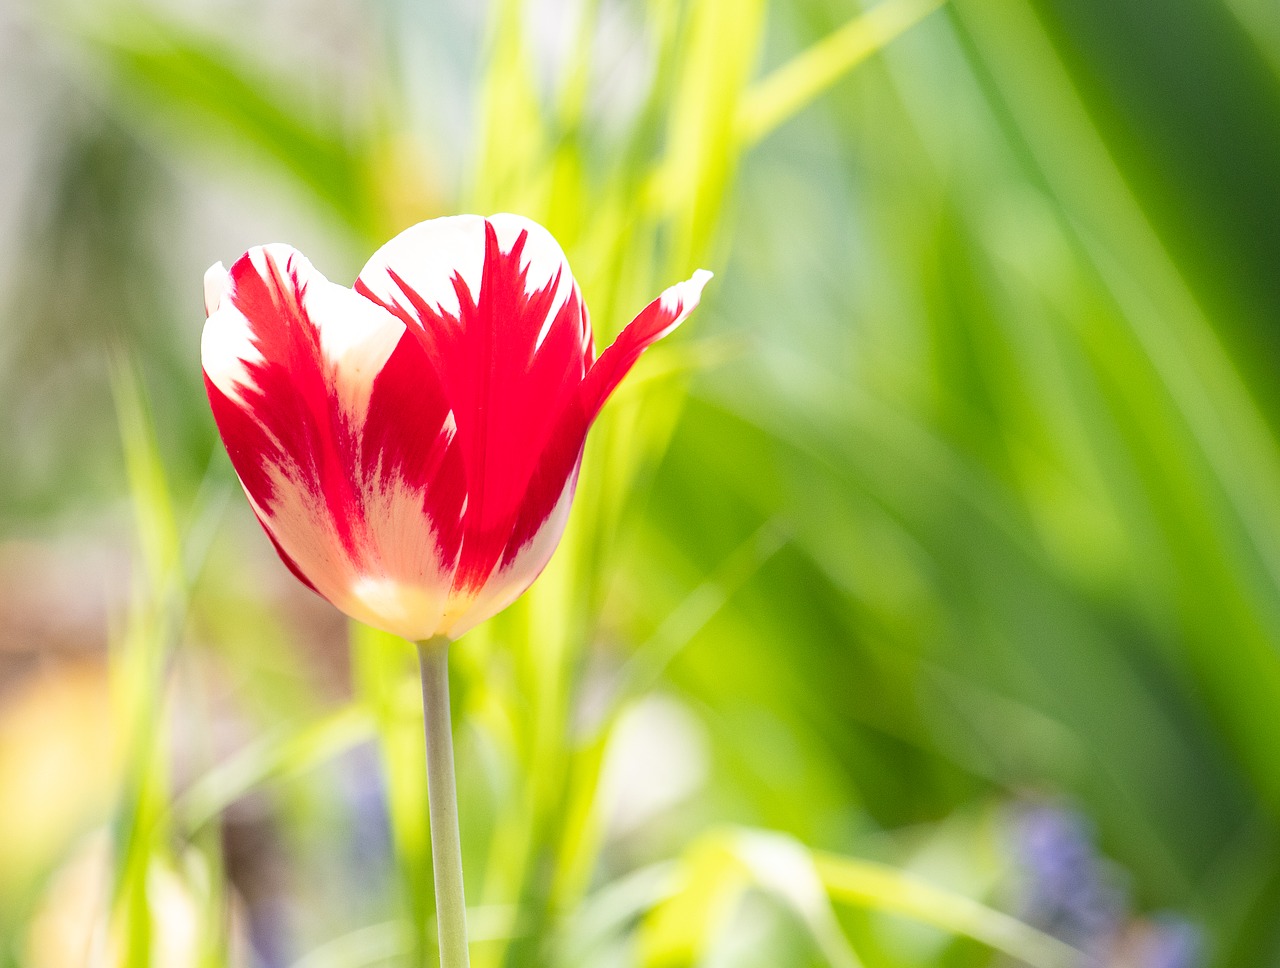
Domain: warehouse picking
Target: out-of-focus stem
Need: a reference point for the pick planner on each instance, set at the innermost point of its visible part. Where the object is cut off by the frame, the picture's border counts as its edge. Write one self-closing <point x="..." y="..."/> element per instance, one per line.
<point x="442" y="797"/>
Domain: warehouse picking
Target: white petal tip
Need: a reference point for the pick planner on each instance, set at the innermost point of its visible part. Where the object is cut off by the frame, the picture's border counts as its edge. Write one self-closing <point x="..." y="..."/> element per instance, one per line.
<point x="684" y="296"/>
<point x="217" y="282"/>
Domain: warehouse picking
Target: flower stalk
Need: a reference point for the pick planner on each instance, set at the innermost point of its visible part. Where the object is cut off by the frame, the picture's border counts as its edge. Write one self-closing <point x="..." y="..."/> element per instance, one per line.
<point x="442" y="800"/>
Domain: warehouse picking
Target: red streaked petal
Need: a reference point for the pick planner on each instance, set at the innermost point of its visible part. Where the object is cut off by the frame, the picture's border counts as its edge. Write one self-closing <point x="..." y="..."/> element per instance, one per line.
<point x="299" y="354"/>
<point x="499" y="314"/>
<point x="562" y="454"/>
<point x="342" y="438"/>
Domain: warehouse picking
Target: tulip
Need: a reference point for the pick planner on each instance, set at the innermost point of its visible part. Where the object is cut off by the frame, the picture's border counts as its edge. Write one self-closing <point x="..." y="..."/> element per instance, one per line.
<point x="411" y="445"/>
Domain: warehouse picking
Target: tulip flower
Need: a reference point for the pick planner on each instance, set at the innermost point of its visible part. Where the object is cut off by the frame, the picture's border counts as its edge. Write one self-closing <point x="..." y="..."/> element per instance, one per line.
<point x="411" y="445"/>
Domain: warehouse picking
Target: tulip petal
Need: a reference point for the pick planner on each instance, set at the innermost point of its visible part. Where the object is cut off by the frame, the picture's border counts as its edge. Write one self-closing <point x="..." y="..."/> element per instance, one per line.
<point x="544" y="510"/>
<point x="341" y="436"/>
<point x="655" y="321"/>
<point x="499" y="314"/>
<point x="563" y="451"/>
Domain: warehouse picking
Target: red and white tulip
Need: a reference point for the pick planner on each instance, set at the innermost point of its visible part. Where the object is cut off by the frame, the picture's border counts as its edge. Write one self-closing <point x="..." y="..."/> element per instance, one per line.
<point x="411" y="445"/>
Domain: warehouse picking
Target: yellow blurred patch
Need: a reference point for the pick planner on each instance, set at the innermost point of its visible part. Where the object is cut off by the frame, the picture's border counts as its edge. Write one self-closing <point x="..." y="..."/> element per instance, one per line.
<point x="59" y="767"/>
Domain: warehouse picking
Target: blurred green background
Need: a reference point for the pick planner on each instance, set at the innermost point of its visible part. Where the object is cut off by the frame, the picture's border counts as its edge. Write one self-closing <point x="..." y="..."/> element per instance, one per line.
<point x="921" y="603"/>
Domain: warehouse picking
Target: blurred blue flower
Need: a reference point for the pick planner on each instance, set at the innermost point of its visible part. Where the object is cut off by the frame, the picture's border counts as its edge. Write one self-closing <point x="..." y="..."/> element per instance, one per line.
<point x="1071" y="892"/>
<point x="1067" y="892"/>
<point x="1171" y="942"/>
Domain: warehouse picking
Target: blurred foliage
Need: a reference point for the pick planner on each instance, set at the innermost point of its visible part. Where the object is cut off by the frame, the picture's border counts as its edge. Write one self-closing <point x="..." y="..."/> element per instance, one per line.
<point x="960" y="493"/>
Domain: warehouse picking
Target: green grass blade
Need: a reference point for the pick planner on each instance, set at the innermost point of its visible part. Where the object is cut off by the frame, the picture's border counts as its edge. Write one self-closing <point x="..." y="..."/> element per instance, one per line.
<point x="878" y="886"/>
<point x="786" y="91"/>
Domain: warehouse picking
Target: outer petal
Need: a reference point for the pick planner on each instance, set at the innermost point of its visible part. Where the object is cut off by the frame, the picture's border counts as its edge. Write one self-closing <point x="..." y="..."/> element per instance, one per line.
<point x="563" y="452"/>
<point x="544" y="510"/>
<point x="657" y="319"/>
<point x="497" y="310"/>
<point x="340" y="435"/>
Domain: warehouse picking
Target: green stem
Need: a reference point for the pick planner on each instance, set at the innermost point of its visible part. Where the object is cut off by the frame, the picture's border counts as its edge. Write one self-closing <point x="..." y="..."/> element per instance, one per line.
<point x="442" y="798"/>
